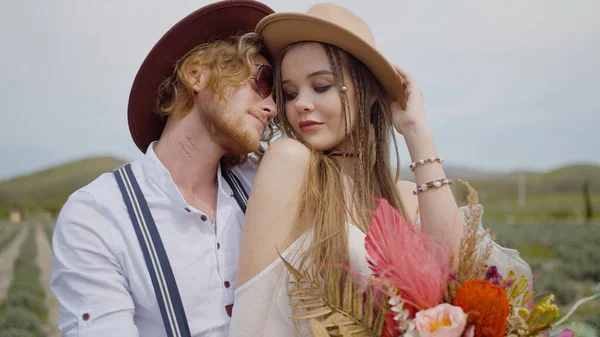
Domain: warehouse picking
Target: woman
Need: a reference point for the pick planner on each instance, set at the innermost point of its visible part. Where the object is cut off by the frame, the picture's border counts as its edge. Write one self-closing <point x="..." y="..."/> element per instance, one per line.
<point x="338" y="99"/>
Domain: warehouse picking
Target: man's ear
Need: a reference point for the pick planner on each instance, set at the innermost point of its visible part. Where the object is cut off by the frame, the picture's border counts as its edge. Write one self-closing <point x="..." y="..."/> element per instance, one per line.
<point x="195" y="77"/>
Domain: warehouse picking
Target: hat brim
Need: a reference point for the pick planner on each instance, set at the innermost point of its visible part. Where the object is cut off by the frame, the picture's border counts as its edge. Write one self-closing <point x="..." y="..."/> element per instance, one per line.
<point x="282" y="29"/>
<point x="218" y="20"/>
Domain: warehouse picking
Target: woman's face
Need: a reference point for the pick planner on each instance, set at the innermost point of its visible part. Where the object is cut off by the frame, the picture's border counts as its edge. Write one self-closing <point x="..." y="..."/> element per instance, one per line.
<point x="313" y="106"/>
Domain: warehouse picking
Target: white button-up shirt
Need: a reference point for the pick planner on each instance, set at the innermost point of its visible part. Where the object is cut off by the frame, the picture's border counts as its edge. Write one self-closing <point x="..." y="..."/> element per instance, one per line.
<point x="99" y="274"/>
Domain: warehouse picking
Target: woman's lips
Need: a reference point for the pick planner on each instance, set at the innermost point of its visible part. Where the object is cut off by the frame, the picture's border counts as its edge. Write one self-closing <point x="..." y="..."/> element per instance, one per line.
<point x="309" y="125"/>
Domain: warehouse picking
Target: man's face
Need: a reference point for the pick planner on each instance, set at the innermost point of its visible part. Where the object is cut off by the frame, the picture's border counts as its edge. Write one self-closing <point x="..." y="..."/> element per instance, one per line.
<point x="238" y="124"/>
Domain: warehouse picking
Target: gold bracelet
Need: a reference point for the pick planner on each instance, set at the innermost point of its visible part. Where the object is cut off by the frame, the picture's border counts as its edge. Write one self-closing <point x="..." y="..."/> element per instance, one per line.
<point x="436" y="183"/>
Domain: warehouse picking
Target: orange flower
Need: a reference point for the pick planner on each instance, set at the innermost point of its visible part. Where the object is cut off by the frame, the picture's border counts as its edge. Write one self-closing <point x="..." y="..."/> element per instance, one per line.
<point x="486" y="304"/>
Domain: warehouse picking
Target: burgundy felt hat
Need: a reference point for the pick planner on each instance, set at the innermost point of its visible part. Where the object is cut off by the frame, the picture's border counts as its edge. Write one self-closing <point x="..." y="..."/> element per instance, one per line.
<point x="221" y="19"/>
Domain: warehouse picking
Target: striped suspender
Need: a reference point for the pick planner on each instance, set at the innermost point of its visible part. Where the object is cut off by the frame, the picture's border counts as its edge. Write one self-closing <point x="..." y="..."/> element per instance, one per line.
<point x="239" y="193"/>
<point x="163" y="280"/>
<point x="156" y="258"/>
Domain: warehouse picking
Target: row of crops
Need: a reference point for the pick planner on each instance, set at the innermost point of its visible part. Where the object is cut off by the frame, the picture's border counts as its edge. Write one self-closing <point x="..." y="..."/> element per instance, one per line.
<point x="7" y="234"/>
<point x="23" y="313"/>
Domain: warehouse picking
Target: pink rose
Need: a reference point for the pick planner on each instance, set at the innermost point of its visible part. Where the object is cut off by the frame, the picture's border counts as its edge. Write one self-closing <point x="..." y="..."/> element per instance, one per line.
<point x="444" y="320"/>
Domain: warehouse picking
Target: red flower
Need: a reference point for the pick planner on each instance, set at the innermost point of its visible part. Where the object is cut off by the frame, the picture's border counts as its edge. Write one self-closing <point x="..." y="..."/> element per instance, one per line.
<point x="486" y="304"/>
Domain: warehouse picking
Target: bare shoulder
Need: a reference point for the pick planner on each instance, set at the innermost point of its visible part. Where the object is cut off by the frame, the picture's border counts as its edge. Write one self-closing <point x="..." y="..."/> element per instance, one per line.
<point x="272" y="206"/>
<point x="288" y="150"/>
<point x="410" y="201"/>
<point x="285" y="161"/>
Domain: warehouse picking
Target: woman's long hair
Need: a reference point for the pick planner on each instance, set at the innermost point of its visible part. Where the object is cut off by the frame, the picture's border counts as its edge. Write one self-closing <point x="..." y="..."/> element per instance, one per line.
<point x="327" y="201"/>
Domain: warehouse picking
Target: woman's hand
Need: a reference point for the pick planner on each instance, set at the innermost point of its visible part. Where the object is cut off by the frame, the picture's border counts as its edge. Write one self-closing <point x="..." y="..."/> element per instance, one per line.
<point x="410" y="121"/>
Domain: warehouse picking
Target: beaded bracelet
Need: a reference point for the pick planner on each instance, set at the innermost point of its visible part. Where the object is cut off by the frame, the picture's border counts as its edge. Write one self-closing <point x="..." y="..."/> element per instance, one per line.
<point x="414" y="165"/>
<point x="435" y="183"/>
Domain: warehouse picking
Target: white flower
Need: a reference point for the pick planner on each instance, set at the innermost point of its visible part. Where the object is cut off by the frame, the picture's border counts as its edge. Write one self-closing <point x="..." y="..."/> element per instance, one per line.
<point x="403" y="315"/>
<point x="410" y="334"/>
<point x="395" y="300"/>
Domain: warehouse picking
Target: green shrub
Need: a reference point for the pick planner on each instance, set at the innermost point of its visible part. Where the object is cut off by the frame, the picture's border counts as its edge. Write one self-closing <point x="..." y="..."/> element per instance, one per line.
<point x="26" y="269"/>
<point x="31" y="286"/>
<point x="29" y="302"/>
<point x="16" y="333"/>
<point x="581" y="257"/>
<point x="536" y="251"/>
<point x="574" y="247"/>
<point x="4" y="213"/>
<point x="49" y="231"/>
<point x="7" y="236"/>
<point x="26" y="273"/>
<point x="557" y="282"/>
<point x="19" y="318"/>
<point x="562" y="214"/>
<point x="593" y="320"/>
<point x="579" y="329"/>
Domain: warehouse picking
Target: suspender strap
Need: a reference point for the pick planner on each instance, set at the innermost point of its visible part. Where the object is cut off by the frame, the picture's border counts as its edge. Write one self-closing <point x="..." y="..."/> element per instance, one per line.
<point x="239" y="193"/>
<point x="165" y="287"/>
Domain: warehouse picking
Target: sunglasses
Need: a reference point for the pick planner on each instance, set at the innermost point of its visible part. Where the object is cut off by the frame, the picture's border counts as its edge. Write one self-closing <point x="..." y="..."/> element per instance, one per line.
<point x="263" y="80"/>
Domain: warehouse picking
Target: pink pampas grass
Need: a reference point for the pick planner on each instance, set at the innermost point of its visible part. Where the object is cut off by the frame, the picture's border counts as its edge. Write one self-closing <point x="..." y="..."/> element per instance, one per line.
<point x="408" y="259"/>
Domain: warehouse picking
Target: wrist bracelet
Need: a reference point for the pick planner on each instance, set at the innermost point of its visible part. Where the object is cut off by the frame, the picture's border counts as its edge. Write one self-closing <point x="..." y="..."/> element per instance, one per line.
<point x="424" y="161"/>
<point x="436" y="183"/>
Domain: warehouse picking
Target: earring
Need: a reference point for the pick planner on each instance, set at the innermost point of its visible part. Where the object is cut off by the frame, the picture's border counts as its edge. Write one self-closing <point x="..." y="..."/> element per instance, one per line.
<point x="344" y="89"/>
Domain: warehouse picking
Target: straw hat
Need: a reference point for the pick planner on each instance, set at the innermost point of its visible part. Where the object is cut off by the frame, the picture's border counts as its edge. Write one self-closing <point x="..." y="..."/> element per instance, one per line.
<point x="332" y="24"/>
<point x="221" y="19"/>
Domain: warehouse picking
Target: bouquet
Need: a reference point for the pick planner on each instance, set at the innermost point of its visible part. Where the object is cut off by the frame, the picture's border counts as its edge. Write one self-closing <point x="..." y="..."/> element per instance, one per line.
<point x="418" y="289"/>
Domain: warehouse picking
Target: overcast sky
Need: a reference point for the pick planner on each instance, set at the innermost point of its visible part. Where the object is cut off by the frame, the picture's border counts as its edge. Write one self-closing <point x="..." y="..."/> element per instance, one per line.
<point x="508" y="84"/>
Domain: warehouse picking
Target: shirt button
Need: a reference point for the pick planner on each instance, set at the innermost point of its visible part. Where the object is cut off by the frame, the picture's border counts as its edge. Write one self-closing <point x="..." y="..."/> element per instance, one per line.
<point x="85" y="316"/>
<point x="187" y="209"/>
<point x="227" y="284"/>
<point x="218" y="245"/>
<point x="203" y="217"/>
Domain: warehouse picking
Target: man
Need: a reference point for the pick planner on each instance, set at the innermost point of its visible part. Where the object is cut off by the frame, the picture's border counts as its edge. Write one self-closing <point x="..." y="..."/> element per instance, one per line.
<point x="152" y="249"/>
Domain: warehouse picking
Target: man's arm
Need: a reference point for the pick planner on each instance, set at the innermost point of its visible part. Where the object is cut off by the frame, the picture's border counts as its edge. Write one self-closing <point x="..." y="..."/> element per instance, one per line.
<point x="87" y="278"/>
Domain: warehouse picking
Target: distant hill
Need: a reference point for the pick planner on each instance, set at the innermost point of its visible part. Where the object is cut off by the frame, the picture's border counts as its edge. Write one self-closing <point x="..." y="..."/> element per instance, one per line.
<point x="557" y="193"/>
<point x="567" y="179"/>
<point x="554" y="194"/>
<point x="49" y="189"/>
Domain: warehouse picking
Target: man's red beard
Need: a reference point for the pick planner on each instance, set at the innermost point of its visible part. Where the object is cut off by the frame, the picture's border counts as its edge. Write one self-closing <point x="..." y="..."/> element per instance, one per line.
<point x="230" y="131"/>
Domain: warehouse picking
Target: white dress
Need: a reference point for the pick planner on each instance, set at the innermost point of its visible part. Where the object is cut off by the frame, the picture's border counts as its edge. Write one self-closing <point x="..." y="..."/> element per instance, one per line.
<point x="262" y="307"/>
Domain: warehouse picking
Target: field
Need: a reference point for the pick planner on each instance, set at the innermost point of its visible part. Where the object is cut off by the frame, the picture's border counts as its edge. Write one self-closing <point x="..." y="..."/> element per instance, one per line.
<point x="565" y="259"/>
<point x="555" y="225"/>
<point x="27" y="307"/>
<point x="566" y="194"/>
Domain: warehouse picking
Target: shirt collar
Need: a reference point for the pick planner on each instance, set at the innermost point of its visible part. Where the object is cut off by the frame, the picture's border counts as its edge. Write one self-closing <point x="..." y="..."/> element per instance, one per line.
<point x="159" y="174"/>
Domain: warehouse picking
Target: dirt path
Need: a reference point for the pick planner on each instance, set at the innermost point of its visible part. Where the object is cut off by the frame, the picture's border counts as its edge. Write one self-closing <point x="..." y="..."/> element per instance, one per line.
<point x="7" y="257"/>
<point x="44" y="260"/>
